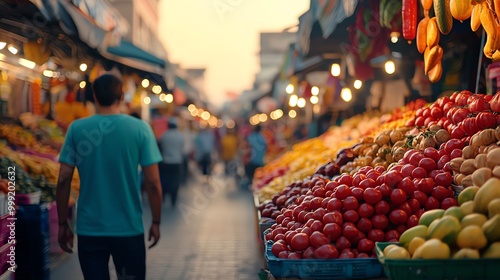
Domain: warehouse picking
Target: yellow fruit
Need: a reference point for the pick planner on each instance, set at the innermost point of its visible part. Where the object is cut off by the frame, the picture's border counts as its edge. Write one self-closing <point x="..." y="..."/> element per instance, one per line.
<point x="446" y="229"/>
<point x="461" y="9"/>
<point x="471" y="237"/>
<point x="492" y="252"/>
<point x="473" y="219"/>
<point x="475" y="18"/>
<point x="428" y="217"/>
<point x="421" y="38"/>
<point x="454" y="211"/>
<point x="467" y="207"/>
<point x="397" y="253"/>
<point x="486" y="193"/>
<point x="494" y="207"/>
<point x="491" y="229"/>
<point x="432" y="249"/>
<point x="411" y="233"/>
<point x="436" y="72"/>
<point x="433" y="34"/>
<point x="414" y="244"/>
<point x="389" y="247"/>
<point x="466" y="253"/>
<point x="467" y="194"/>
<point x="432" y="226"/>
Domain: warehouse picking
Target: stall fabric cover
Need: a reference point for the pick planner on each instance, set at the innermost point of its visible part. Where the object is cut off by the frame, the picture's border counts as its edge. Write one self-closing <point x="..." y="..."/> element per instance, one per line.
<point x="105" y="30"/>
<point x="329" y="13"/>
<point x="306" y="22"/>
<point x="104" y="15"/>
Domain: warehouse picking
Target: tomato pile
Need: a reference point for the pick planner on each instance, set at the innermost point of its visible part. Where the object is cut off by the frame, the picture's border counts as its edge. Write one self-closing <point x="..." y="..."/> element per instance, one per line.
<point x="343" y="218"/>
<point x="463" y="114"/>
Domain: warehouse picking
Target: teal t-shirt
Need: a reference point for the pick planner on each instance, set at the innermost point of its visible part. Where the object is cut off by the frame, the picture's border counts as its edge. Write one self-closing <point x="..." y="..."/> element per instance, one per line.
<point x="107" y="151"/>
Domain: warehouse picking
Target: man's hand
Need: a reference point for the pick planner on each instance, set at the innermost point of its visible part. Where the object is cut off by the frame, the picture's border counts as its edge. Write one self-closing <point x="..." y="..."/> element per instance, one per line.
<point x="154" y="233"/>
<point x="65" y="238"/>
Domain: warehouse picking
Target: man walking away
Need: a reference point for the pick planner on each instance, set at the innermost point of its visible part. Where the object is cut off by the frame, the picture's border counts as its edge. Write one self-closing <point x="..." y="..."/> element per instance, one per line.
<point x="205" y="146"/>
<point x="189" y="136"/>
<point x="107" y="149"/>
<point x="172" y="147"/>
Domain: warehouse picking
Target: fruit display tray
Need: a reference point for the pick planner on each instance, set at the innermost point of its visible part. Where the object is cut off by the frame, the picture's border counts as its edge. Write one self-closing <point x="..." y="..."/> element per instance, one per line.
<point x="456" y="269"/>
<point x="262" y="224"/>
<point x="322" y="269"/>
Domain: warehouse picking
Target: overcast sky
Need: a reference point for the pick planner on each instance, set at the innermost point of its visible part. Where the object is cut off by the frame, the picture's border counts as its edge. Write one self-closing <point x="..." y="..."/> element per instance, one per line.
<point x="223" y="36"/>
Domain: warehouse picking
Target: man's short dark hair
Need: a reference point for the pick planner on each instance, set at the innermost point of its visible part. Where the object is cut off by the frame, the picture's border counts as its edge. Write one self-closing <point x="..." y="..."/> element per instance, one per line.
<point x="108" y="90"/>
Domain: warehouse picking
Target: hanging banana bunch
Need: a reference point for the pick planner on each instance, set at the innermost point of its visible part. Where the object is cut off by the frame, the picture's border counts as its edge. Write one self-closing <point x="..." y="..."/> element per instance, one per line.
<point x="484" y="13"/>
<point x="428" y="35"/>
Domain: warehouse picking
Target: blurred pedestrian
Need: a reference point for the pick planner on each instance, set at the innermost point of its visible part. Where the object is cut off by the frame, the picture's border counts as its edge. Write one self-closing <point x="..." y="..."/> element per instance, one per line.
<point x="204" y="147"/>
<point x="109" y="214"/>
<point x="257" y="150"/>
<point x="229" y="145"/>
<point x="189" y="138"/>
<point x="172" y="147"/>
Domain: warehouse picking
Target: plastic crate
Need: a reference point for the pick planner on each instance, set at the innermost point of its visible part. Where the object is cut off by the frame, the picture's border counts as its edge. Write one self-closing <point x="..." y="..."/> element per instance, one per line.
<point x="460" y="269"/>
<point x="322" y="269"/>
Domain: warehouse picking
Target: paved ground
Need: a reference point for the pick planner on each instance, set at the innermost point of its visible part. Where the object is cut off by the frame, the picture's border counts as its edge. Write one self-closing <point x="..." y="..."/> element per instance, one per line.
<point x="210" y="234"/>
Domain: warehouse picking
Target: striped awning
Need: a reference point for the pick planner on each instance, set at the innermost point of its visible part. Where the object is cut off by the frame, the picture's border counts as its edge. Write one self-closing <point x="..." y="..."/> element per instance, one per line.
<point x="329" y="13"/>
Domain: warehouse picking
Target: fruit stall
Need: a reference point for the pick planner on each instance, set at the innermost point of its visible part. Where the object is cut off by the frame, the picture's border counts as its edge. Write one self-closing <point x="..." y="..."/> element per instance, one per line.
<point x="413" y="194"/>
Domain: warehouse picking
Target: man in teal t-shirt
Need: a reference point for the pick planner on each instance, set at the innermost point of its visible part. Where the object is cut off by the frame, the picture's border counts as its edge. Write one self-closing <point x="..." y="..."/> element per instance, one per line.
<point x="107" y="149"/>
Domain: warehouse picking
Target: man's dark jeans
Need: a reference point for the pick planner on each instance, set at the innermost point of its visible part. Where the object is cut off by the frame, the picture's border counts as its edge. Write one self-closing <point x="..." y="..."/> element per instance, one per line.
<point x="129" y="256"/>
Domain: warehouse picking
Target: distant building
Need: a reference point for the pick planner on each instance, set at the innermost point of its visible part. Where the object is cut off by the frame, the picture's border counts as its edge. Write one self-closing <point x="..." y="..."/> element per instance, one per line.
<point x="143" y="18"/>
<point x="272" y="50"/>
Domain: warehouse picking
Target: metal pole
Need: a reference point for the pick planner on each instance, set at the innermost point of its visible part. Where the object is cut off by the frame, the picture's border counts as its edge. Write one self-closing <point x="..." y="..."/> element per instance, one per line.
<point x="480" y="61"/>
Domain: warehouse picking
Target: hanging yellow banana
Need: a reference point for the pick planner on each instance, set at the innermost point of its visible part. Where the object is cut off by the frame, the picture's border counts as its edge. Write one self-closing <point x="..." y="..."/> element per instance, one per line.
<point x="433" y="34"/>
<point x="432" y="58"/>
<point x="475" y="18"/>
<point x="490" y="27"/>
<point x="435" y="73"/>
<point x="422" y="34"/>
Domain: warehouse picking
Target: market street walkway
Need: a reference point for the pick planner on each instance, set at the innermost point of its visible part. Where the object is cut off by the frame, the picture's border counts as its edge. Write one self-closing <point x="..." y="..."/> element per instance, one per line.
<point x="210" y="234"/>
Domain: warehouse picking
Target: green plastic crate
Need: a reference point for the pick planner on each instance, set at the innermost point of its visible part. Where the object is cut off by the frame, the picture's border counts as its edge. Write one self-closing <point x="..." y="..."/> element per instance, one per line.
<point x="470" y="269"/>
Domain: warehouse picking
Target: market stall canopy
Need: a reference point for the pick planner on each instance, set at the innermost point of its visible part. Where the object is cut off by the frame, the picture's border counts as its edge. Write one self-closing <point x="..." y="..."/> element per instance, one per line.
<point x="323" y="28"/>
<point x="183" y="86"/>
<point x="329" y="13"/>
<point x="95" y="22"/>
<point x="128" y="54"/>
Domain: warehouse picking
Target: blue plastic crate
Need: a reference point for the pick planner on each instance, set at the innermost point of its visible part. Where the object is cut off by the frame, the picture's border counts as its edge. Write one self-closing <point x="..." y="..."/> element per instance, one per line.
<point x="322" y="269"/>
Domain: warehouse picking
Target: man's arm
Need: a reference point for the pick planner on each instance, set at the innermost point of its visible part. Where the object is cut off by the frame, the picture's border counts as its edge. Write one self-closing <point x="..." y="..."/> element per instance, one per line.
<point x="63" y="191"/>
<point x="65" y="234"/>
<point x="152" y="185"/>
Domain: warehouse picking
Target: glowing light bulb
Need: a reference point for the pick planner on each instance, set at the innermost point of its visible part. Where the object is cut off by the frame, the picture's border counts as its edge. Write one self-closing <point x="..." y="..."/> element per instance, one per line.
<point x="358" y="84"/>
<point x="83" y="67"/>
<point x="293" y="100"/>
<point x="346" y="94"/>
<point x="290" y="88"/>
<point x="301" y="103"/>
<point x="335" y="70"/>
<point x="390" y="67"/>
<point x="315" y="90"/>
<point x="314" y="99"/>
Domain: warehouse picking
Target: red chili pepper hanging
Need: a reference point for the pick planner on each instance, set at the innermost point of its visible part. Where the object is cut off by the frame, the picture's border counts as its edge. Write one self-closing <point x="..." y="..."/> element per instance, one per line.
<point x="409" y="19"/>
